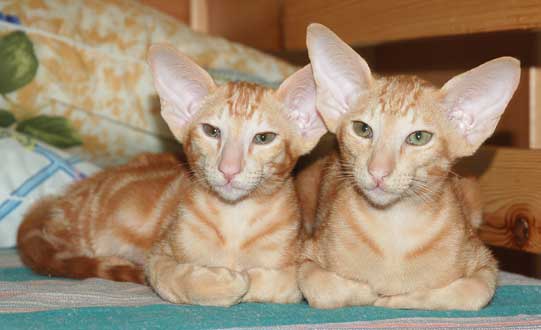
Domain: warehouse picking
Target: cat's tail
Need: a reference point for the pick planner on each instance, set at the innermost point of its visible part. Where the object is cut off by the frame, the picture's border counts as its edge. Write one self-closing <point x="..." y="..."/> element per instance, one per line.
<point x="48" y="252"/>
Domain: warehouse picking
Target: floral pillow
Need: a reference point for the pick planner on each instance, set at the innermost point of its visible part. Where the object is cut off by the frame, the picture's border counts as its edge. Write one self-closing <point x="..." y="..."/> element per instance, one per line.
<point x="76" y="75"/>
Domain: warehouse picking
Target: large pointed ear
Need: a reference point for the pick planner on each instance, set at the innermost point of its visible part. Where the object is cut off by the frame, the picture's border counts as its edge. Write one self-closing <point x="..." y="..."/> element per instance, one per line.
<point x="476" y="99"/>
<point x="181" y="85"/>
<point x="341" y="74"/>
<point x="298" y="95"/>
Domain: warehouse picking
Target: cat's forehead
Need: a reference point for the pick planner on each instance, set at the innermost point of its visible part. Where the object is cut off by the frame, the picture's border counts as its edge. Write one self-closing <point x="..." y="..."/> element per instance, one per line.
<point x="403" y="95"/>
<point x="243" y="99"/>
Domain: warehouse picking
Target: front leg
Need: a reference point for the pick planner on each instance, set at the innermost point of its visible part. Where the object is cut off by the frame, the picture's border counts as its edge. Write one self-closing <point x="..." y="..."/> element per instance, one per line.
<point x="467" y="293"/>
<point x="326" y="289"/>
<point x="273" y="285"/>
<point x="193" y="284"/>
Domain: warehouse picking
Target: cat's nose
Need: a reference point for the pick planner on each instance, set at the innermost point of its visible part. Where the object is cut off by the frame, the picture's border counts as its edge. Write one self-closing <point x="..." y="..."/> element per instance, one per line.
<point x="378" y="174"/>
<point x="231" y="161"/>
<point x="229" y="170"/>
<point x="380" y="166"/>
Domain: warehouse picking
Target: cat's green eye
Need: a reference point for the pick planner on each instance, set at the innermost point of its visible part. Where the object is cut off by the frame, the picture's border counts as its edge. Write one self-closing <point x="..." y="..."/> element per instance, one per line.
<point x="211" y="131"/>
<point x="419" y="138"/>
<point x="362" y="129"/>
<point x="264" y="138"/>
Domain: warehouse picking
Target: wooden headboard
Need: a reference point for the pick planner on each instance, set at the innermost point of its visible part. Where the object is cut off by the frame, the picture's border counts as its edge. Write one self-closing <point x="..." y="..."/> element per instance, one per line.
<point x="510" y="177"/>
<point x="280" y="25"/>
<point x="179" y="9"/>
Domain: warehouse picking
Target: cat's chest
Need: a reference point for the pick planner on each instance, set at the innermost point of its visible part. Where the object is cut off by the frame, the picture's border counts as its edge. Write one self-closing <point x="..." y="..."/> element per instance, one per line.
<point x="400" y="250"/>
<point x="399" y="231"/>
<point x="237" y="223"/>
<point x="237" y="236"/>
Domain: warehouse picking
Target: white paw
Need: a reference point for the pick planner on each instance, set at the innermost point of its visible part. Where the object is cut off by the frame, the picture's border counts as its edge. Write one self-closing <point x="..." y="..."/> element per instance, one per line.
<point x="277" y="286"/>
<point x="355" y="294"/>
<point x="291" y="296"/>
<point x="221" y="287"/>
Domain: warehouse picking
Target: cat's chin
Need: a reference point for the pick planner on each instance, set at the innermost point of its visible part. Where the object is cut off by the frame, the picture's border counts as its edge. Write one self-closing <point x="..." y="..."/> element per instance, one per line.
<point x="380" y="197"/>
<point x="230" y="193"/>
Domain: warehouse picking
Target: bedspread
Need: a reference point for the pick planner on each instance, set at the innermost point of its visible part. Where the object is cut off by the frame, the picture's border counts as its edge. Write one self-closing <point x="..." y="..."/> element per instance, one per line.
<point x="29" y="301"/>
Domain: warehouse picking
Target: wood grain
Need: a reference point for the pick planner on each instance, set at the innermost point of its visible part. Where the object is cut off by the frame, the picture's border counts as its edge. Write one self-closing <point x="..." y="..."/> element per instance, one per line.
<point x="370" y="22"/>
<point x="511" y="186"/>
<point x="255" y="23"/>
<point x="179" y="9"/>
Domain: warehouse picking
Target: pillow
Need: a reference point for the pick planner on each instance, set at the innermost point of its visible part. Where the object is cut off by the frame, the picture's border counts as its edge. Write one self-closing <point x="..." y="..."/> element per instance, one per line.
<point x="84" y="60"/>
<point x="28" y="171"/>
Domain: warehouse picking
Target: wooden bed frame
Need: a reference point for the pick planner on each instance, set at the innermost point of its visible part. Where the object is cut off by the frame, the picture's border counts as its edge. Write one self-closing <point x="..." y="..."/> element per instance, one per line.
<point x="399" y="36"/>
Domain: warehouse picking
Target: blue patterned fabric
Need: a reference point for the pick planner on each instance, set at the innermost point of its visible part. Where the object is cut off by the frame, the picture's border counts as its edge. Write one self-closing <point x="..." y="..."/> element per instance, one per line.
<point x="28" y="171"/>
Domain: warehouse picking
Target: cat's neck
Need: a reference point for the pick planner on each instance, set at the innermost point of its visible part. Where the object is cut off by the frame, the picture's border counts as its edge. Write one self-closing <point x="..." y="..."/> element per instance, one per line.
<point x="407" y="206"/>
<point x="408" y="214"/>
<point x="262" y="194"/>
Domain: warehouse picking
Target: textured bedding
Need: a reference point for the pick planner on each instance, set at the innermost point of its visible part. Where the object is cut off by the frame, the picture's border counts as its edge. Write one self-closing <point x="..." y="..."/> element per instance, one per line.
<point x="29" y="301"/>
<point x="84" y="61"/>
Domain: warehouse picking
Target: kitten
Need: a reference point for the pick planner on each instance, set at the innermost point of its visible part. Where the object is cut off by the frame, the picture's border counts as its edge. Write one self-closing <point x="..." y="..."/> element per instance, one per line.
<point x="222" y="229"/>
<point x="393" y="228"/>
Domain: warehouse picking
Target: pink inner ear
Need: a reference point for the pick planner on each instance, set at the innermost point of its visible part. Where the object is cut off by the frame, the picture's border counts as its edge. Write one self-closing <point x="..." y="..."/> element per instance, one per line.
<point x="180" y="83"/>
<point x="341" y="74"/>
<point x="298" y="94"/>
<point x="475" y="100"/>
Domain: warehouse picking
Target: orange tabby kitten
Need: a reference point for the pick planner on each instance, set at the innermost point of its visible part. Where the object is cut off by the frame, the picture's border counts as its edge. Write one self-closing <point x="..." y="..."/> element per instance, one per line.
<point x="225" y="228"/>
<point x="393" y="228"/>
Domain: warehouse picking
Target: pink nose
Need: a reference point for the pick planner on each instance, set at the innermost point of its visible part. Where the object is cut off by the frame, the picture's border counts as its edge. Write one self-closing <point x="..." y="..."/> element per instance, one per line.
<point x="378" y="174"/>
<point x="229" y="170"/>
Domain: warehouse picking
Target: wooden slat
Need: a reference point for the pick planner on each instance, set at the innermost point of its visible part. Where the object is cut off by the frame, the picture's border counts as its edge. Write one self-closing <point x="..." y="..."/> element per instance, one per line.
<point x="511" y="186"/>
<point x="179" y="9"/>
<point x="370" y="22"/>
<point x="535" y="96"/>
<point x="199" y="15"/>
<point x="255" y="23"/>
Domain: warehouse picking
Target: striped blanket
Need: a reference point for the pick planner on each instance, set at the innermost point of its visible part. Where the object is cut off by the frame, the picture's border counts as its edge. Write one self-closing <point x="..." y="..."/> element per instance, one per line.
<point x="29" y="301"/>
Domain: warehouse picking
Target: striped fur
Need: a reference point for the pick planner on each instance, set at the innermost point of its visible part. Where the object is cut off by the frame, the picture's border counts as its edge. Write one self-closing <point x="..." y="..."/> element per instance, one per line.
<point x="195" y="235"/>
<point x="392" y="226"/>
<point x="103" y="226"/>
<point x="224" y="250"/>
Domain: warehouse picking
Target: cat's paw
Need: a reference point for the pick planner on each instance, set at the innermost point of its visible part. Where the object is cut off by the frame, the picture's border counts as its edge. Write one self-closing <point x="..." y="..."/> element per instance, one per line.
<point x="218" y="286"/>
<point x="291" y="295"/>
<point x="463" y="294"/>
<point x="339" y="292"/>
<point x="277" y="286"/>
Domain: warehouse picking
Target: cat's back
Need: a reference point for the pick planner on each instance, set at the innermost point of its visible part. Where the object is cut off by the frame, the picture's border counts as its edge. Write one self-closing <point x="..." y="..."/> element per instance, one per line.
<point x="122" y="207"/>
<point x="145" y="175"/>
<point x="117" y="212"/>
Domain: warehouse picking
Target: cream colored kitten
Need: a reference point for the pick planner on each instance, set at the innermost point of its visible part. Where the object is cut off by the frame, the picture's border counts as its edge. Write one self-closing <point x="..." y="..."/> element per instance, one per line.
<point x="393" y="228"/>
<point x="236" y="234"/>
<point x="222" y="228"/>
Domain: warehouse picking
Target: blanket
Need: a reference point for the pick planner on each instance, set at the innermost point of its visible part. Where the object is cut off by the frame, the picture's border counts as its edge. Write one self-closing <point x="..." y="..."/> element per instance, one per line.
<point x="30" y="301"/>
